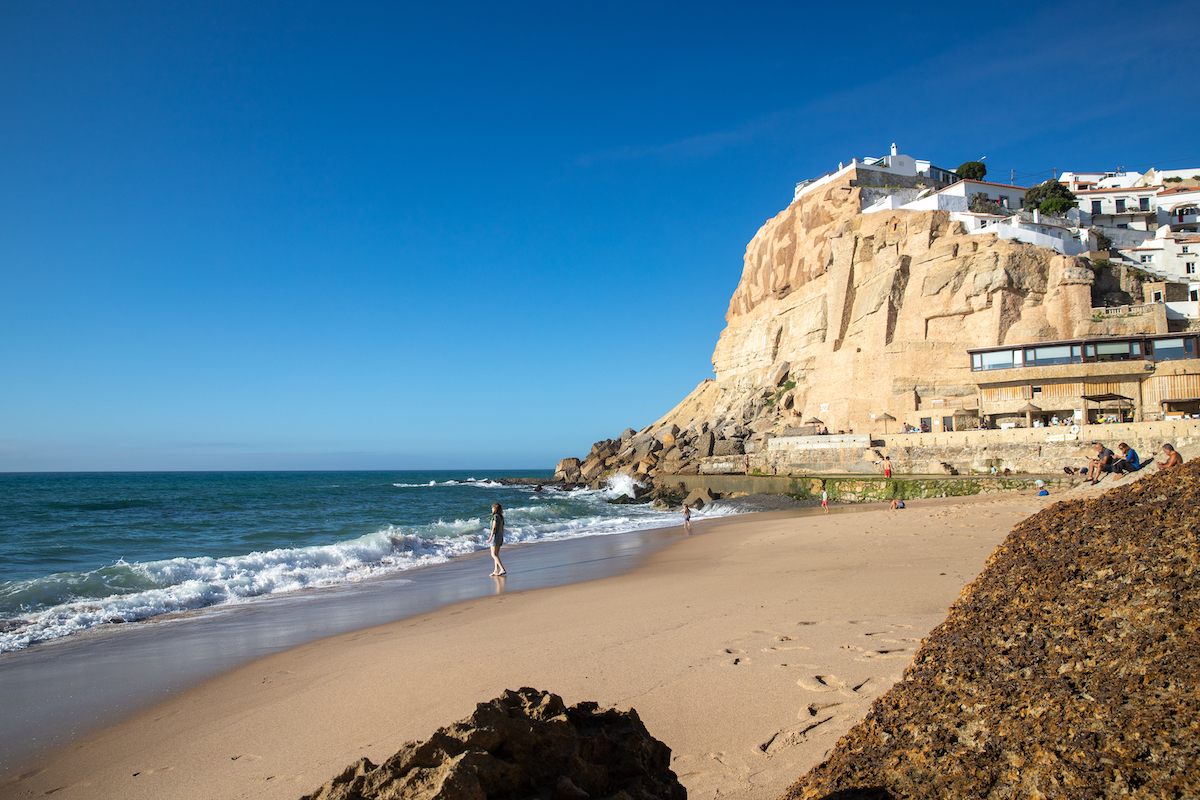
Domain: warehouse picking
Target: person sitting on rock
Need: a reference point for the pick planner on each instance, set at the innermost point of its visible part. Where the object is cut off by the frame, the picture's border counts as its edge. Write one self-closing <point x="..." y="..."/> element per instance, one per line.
<point x="1128" y="461"/>
<point x="1173" y="457"/>
<point x="1101" y="464"/>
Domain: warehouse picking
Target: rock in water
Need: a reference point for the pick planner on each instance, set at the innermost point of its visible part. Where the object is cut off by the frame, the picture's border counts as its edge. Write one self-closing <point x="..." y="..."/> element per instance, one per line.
<point x="1066" y="670"/>
<point x="523" y="744"/>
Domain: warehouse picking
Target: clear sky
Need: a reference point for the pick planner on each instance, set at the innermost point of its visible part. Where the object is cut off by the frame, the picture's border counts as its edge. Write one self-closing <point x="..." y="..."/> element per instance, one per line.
<point x="295" y="235"/>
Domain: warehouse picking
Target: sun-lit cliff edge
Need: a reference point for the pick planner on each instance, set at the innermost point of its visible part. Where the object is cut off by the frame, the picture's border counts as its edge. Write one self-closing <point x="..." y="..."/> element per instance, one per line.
<point x="867" y="314"/>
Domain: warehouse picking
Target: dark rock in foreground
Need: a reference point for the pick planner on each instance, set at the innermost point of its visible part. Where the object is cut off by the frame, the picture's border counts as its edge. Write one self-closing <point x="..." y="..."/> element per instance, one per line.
<point x="1068" y="669"/>
<point x="523" y="744"/>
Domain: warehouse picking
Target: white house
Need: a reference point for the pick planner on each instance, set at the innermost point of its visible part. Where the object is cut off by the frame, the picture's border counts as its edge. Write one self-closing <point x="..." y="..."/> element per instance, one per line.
<point x="1134" y="207"/>
<point x="1179" y="208"/>
<point x="895" y="163"/>
<point x="1078" y="181"/>
<point x="1170" y="255"/>
<point x="1002" y="194"/>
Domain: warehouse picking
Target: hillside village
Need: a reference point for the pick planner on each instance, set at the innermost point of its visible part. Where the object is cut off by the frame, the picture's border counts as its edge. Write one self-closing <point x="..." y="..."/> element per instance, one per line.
<point x="954" y="324"/>
<point x="1149" y="221"/>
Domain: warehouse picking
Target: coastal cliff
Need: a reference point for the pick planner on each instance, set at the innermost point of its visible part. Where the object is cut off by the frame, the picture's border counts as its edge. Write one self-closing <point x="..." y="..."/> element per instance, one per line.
<point x="870" y="314"/>
<point x="841" y="317"/>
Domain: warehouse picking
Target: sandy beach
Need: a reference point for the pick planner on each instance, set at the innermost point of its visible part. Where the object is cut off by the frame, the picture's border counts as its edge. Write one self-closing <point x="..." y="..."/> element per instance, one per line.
<point x="749" y="648"/>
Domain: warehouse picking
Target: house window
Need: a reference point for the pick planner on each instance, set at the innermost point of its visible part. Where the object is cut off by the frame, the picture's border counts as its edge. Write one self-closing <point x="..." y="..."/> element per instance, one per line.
<point x="1190" y="268"/>
<point x="1156" y="297"/>
<point x="1144" y="203"/>
<point x="1193" y="295"/>
<point x="1095" y="206"/>
<point x="1148" y="259"/>
<point x="1185" y="249"/>
<point x="1120" y="206"/>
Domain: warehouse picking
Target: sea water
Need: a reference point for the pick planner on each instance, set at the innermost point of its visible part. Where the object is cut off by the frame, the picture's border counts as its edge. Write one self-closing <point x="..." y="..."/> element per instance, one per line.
<point x="81" y="550"/>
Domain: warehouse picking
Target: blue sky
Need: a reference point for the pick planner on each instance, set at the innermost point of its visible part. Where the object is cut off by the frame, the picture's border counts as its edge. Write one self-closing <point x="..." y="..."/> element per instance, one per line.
<point x="256" y="235"/>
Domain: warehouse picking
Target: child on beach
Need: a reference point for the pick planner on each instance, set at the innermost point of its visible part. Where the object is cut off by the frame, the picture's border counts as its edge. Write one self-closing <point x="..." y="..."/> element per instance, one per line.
<point x="825" y="501"/>
<point x="687" y="518"/>
<point x="496" y="539"/>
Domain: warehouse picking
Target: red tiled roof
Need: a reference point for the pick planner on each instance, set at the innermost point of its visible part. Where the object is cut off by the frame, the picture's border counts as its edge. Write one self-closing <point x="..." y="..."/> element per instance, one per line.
<point x="985" y="183"/>
<point x="1127" y="189"/>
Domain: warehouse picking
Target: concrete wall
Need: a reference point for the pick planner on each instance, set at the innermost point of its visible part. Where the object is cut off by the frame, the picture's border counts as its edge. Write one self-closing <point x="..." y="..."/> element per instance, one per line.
<point x="1024" y="451"/>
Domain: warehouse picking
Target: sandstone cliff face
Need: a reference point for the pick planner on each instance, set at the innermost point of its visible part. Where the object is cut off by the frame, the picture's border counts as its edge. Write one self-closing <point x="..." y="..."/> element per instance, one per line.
<point x="871" y="314"/>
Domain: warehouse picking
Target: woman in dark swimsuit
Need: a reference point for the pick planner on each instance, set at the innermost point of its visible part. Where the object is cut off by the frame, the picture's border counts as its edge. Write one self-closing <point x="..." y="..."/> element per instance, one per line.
<point x="496" y="540"/>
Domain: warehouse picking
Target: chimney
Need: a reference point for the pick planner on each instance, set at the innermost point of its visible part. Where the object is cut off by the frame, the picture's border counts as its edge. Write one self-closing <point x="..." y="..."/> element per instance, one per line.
<point x="894" y="152"/>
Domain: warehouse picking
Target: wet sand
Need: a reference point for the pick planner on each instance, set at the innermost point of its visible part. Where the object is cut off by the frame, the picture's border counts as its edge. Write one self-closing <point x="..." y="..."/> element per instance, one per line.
<point x="748" y="648"/>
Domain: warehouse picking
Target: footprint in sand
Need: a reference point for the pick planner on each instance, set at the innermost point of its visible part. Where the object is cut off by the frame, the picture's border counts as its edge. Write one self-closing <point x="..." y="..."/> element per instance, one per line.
<point x="869" y="687"/>
<point x="738" y="656"/>
<point x="245" y="757"/>
<point x="813" y="709"/>
<point x="790" y="737"/>
<point x="821" y="683"/>
<point x="152" y="771"/>
<point x="894" y="652"/>
<point x="278" y="676"/>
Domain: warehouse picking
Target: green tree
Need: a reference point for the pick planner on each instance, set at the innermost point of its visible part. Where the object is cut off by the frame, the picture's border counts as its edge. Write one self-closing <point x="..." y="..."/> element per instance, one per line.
<point x="972" y="170"/>
<point x="1050" y="197"/>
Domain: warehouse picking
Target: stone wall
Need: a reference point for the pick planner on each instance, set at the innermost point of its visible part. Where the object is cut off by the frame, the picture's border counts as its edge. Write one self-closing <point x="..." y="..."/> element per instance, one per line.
<point x="859" y="489"/>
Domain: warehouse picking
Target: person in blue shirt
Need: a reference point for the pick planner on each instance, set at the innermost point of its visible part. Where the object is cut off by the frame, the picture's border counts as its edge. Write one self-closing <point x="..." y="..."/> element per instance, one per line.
<point x="1128" y="462"/>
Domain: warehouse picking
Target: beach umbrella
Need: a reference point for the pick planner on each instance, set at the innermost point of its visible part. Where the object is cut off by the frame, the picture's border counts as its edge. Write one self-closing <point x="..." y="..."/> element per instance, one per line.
<point x="1029" y="409"/>
<point x="886" y="419"/>
<point x="813" y="421"/>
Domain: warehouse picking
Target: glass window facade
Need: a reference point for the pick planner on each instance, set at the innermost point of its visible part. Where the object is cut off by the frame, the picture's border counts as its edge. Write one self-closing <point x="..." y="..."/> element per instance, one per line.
<point x="1095" y="351"/>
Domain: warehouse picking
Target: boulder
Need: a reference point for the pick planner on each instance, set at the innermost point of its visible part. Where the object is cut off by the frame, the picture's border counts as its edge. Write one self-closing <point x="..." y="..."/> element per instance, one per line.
<point x="704" y="444"/>
<point x="522" y="744"/>
<point x="567" y="470"/>
<point x="778" y="373"/>
<point x="728" y="447"/>
<point x="591" y="468"/>
<point x="697" y="498"/>
<point x="734" y="432"/>
<point x="627" y="434"/>
<point x="668" y="439"/>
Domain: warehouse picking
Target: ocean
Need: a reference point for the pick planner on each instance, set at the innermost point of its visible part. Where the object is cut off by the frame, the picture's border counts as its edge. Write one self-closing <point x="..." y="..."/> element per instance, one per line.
<point x="83" y="550"/>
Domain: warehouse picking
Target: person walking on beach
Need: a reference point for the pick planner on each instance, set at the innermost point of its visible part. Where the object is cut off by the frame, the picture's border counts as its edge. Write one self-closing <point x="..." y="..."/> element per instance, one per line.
<point x="887" y="467"/>
<point x="687" y="518"/>
<point x="825" y="501"/>
<point x="496" y="540"/>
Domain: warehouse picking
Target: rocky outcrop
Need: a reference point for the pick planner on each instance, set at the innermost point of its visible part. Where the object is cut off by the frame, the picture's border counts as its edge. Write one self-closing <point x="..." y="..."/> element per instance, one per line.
<point x="524" y="744"/>
<point x="1066" y="670"/>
